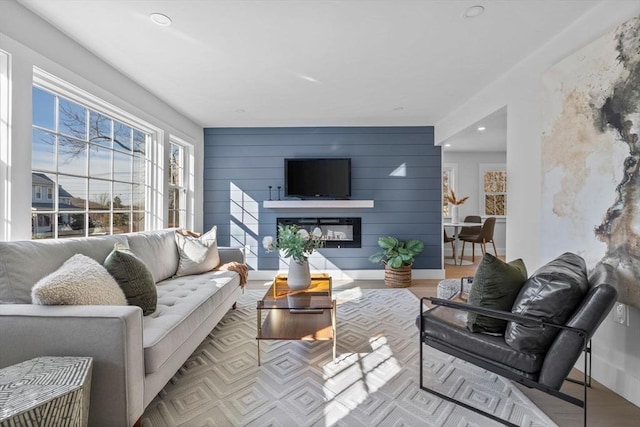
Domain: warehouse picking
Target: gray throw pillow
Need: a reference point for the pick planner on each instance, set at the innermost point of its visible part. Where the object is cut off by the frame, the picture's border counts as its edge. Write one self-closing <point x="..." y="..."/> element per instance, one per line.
<point x="79" y="281"/>
<point x="552" y="293"/>
<point x="134" y="278"/>
<point x="496" y="285"/>
<point x="197" y="254"/>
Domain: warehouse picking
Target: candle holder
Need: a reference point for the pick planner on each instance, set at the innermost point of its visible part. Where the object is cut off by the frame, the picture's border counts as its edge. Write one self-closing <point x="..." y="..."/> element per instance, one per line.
<point x="270" y="187"/>
<point x="279" y="187"/>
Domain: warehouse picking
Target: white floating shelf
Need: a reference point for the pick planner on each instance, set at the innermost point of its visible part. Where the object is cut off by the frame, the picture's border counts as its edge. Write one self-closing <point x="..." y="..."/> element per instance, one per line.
<point x="310" y="204"/>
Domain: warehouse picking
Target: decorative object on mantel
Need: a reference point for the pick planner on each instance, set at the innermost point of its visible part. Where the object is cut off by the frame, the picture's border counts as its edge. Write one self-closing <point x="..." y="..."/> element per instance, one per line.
<point x="270" y="187"/>
<point x="397" y="257"/>
<point x="454" y="203"/>
<point x="298" y="244"/>
<point x="279" y="188"/>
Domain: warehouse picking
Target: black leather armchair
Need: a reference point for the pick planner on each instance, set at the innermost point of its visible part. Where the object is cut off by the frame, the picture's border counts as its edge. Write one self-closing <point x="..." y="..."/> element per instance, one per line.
<point x="444" y="328"/>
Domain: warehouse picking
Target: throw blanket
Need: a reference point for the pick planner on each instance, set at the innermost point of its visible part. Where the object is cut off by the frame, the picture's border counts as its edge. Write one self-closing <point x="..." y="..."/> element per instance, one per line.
<point x="238" y="267"/>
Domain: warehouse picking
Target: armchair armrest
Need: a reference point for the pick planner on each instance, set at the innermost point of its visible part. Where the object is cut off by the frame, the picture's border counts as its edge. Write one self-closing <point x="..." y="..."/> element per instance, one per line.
<point x="498" y="314"/>
<point x="112" y="335"/>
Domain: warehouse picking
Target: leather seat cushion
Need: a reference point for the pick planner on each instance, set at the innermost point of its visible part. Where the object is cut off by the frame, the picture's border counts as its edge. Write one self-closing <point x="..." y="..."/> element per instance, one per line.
<point x="449" y="326"/>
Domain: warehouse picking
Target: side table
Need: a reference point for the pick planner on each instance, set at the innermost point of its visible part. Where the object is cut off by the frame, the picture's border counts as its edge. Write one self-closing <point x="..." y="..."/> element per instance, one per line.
<point x="46" y="391"/>
<point x="448" y="288"/>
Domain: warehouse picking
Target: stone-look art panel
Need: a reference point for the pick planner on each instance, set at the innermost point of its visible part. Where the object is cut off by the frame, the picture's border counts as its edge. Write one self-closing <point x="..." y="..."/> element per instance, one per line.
<point x="591" y="156"/>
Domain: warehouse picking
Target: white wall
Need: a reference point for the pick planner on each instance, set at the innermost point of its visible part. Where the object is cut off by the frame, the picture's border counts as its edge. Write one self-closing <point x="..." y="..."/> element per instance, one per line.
<point x="30" y="41"/>
<point x="468" y="184"/>
<point x="616" y="350"/>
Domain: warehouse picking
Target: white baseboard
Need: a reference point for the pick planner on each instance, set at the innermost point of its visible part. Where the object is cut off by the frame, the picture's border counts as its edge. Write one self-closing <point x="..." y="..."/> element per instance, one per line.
<point x="613" y="378"/>
<point x="352" y="274"/>
<point x="467" y="251"/>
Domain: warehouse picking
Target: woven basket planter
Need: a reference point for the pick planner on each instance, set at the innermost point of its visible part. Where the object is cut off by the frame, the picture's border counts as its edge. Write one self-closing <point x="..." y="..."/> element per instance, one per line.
<point x="397" y="277"/>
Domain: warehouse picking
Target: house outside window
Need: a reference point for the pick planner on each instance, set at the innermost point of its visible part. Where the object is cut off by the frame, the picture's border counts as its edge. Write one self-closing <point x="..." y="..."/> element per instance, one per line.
<point x="92" y="166"/>
<point x="493" y="189"/>
<point x="38" y="192"/>
<point x="177" y="212"/>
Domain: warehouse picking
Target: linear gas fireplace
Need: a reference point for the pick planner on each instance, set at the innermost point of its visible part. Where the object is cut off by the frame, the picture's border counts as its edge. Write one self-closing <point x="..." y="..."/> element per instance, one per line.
<point x="336" y="232"/>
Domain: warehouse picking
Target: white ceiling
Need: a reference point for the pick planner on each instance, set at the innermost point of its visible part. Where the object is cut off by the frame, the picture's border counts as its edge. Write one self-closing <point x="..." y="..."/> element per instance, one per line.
<point x="248" y="63"/>
<point x="492" y="138"/>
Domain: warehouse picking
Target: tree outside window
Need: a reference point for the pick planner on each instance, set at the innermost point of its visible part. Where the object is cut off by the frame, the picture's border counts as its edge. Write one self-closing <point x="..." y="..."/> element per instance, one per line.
<point x="177" y="186"/>
<point x="93" y="163"/>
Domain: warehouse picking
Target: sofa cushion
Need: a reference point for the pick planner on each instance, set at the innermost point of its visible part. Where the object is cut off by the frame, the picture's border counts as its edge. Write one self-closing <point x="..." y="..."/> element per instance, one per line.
<point x="197" y="254"/>
<point x="23" y="263"/>
<point x="496" y="285"/>
<point x="184" y="303"/>
<point x="79" y="281"/>
<point x="552" y="293"/>
<point x="157" y="249"/>
<point x="134" y="278"/>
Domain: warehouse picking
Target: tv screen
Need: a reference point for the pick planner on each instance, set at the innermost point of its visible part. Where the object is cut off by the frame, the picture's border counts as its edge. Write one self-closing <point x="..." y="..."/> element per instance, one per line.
<point x="317" y="178"/>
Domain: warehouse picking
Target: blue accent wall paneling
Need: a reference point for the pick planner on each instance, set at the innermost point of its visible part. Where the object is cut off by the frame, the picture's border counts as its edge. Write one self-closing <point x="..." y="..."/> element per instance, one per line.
<point x="397" y="167"/>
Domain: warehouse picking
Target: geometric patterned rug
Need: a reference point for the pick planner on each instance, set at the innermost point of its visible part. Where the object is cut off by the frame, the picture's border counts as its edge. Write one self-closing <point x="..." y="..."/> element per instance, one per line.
<point x="373" y="382"/>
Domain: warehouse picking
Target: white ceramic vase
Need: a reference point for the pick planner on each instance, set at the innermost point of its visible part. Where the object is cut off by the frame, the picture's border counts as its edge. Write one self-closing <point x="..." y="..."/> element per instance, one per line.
<point x="299" y="276"/>
<point x="455" y="215"/>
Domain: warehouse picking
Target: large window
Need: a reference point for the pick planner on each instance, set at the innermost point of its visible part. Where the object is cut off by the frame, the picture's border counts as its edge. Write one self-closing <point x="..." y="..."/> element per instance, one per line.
<point x="89" y="170"/>
<point x="493" y="181"/>
<point x="177" y="185"/>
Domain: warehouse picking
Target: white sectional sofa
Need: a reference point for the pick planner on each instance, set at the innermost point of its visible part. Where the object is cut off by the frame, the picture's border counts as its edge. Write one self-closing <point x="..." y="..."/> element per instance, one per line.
<point x="133" y="356"/>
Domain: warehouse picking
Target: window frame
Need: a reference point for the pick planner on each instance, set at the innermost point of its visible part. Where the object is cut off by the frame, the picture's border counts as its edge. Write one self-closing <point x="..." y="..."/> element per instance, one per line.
<point x="482" y="169"/>
<point x="452" y="169"/>
<point x="5" y="145"/>
<point x="152" y="218"/>
<point x="185" y="188"/>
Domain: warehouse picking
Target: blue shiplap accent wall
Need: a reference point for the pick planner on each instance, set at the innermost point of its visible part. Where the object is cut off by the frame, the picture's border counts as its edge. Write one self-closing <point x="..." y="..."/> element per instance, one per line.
<point x="397" y="167"/>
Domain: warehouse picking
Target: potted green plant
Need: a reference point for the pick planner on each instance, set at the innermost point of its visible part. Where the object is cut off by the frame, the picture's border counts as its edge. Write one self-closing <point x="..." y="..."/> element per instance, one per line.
<point x="296" y="243"/>
<point x="397" y="257"/>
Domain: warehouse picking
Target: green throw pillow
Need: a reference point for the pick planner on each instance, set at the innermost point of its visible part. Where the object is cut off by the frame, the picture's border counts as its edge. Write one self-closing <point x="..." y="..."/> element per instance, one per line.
<point x="134" y="278"/>
<point x="496" y="285"/>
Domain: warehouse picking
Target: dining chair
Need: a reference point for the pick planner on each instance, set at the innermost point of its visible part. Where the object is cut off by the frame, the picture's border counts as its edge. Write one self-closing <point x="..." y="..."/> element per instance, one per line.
<point x="471" y="231"/>
<point x="485" y="236"/>
<point x="451" y="240"/>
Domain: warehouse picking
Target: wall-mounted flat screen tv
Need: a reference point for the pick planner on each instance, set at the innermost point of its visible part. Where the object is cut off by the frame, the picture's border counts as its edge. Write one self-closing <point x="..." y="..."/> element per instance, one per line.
<point x="317" y="178"/>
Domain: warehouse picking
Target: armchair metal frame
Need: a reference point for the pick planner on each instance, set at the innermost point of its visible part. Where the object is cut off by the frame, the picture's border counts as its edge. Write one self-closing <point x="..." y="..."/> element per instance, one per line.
<point x="504" y="315"/>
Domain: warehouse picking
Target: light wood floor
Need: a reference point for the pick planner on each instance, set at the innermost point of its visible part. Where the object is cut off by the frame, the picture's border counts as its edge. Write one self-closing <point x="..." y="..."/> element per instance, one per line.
<point x="605" y="408"/>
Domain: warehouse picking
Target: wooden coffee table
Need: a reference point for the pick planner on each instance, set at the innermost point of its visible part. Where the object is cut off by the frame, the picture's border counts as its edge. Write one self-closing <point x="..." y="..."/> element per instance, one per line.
<point x="308" y="315"/>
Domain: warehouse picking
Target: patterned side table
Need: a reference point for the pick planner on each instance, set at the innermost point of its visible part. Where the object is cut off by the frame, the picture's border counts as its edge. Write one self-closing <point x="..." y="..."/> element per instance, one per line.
<point x="46" y="391"/>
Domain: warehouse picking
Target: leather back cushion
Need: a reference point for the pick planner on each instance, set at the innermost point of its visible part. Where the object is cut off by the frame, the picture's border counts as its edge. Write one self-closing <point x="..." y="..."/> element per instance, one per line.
<point x="552" y="293"/>
<point x="496" y="285"/>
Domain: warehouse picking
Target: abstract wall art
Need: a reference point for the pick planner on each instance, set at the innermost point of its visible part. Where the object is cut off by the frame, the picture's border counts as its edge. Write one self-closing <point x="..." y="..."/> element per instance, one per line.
<point x="591" y="156"/>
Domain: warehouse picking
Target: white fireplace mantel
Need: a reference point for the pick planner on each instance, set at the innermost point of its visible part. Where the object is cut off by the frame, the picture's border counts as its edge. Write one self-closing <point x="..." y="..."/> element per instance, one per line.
<point x="317" y="204"/>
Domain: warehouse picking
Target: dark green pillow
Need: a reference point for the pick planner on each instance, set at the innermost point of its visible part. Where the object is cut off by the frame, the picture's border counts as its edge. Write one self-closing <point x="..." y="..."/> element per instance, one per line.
<point x="134" y="278"/>
<point x="496" y="285"/>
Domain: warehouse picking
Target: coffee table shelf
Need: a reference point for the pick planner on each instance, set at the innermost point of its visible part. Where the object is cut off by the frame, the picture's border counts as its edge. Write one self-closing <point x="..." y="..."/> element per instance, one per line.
<point x="308" y="315"/>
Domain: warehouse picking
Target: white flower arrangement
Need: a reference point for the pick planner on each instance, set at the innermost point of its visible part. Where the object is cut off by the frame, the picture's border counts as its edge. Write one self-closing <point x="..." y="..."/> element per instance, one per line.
<point x="294" y="242"/>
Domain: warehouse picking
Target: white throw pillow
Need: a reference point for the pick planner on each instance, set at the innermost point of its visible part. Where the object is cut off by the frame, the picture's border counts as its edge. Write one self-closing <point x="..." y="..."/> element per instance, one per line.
<point x="79" y="281"/>
<point x="197" y="254"/>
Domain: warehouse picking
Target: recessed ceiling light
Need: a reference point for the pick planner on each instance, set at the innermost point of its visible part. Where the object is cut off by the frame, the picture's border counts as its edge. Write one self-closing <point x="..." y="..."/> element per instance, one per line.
<point x="447" y="145"/>
<point x="481" y="128"/>
<point x="160" y="19"/>
<point x="474" y="11"/>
